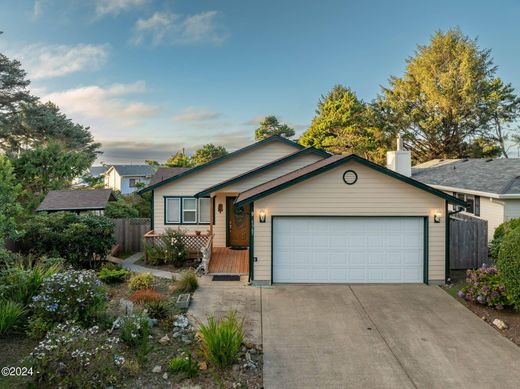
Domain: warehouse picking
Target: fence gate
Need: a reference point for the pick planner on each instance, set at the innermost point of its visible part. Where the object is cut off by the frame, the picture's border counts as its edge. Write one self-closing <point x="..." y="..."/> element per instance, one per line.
<point x="468" y="242"/>
<point x="129" y="233"/>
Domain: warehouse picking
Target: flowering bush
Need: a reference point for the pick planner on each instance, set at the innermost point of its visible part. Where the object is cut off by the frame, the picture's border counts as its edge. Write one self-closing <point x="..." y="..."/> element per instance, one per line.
<point x="72" y="357"/>
<point x="134" y="329"/>
<point x="145" y="296"/>
<point x="70" y="295"/>
<point x="484" y="286"/>
<point x="141" y="281"/>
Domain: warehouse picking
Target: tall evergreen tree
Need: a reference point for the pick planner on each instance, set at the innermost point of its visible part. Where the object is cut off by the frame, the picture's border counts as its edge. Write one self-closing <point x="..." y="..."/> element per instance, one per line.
<point x="271" y="126"/>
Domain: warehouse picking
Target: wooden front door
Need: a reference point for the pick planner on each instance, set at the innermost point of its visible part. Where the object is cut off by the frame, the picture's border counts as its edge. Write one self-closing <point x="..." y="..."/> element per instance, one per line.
<point x="238" y="224"/>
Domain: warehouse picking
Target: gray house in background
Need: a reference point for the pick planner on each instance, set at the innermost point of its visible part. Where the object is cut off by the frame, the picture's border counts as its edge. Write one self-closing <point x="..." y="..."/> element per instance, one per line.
<point x="126" y="178"/>
<point x="491" y="187"/>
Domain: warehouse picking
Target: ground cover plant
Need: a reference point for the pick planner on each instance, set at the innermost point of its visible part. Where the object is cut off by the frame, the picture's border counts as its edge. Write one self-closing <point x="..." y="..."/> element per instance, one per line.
<point x="141" y="281"/>
<point x="111" y="274"/>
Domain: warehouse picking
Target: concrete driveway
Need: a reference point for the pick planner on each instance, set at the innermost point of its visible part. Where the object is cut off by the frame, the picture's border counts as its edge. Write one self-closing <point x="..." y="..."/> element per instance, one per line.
<point x="375" y="336"/>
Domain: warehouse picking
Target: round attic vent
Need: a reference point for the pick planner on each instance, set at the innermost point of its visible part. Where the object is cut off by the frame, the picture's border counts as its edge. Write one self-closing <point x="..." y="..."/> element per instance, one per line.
<point x="350" y="177"/>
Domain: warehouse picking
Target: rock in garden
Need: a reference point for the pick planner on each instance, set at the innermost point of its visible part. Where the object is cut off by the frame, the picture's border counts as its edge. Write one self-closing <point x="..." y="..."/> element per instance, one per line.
<point x="181" y="321"/>
<point x="203" y="366"/>
<point x="253" y="351"/>
<point x="126" y="306"/>
<point x="185" y="339"/>
<point x="164" y="340"/>
<point x="177" y="334"/>
<point x="190" y="387"/>
<point x="500" y="324"/>
<point x="115" y="324"/>
<point x="157" y="369"/>
<point x="165" y="376"/>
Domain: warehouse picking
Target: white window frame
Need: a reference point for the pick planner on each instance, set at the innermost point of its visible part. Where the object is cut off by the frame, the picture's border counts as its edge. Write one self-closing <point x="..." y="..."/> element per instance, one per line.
<point x="196" y="210"/>
<point x="200" y="207"/>
<point x="166" y="205"/>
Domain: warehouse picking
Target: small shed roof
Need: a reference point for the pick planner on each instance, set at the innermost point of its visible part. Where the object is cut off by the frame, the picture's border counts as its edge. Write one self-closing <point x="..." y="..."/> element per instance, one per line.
<point x="76" y="200"/>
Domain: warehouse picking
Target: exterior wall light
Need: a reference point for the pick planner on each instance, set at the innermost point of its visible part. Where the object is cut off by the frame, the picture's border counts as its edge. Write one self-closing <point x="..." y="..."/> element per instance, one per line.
<point x="220" y="208"/>
<point x="437" y="216"/>
<point x="262" y="216"/>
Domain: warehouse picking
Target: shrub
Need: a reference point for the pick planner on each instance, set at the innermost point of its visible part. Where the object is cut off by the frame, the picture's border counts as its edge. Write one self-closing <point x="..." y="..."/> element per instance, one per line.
<point x="83" y="240"/>
<point x="169" y="249"/>
<point x="509" y="265"/>
<point x="113" y="275"/>
<point x="141" y="281"/>
<point x="72" y="357"/>
<point x="484" y="286"/>
<point x="500" y="232"/>
<point x="20" y="283"/>
<point x="157" y="309"/>
<point x="188" y="281"/>
<point x="120" y="209"/>
<point x="71" y="295"/>
<point x="146" y="295"/>
<point x="134" y="329"/>
<point x="221" y="340"/>
<point x="186" y="366"/>
<point x="10" y="316"/>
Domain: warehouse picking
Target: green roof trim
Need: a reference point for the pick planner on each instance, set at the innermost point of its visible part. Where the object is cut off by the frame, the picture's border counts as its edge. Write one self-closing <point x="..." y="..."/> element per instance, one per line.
<point x="223" y="158"/>
<point x="250" y="173"/>
<point x="363" y="161"/>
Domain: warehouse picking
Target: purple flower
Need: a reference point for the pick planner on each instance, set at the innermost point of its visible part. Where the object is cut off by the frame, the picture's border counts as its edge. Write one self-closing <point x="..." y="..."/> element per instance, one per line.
<point x="480" y="299"/>
<point x="461" y="294"/>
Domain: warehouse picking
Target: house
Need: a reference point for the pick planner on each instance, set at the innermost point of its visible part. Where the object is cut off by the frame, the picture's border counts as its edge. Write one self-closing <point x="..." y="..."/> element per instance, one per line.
<point x="98" y="171"/>
<point x="491" y="187"/>
<point x="128" y="178"/>
<point x="300" y="215"/>
<point x="77" y="200"/>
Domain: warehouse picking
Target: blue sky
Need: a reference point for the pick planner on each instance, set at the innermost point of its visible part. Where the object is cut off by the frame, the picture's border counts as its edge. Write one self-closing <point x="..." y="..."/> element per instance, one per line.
<point x="152" y="77"/>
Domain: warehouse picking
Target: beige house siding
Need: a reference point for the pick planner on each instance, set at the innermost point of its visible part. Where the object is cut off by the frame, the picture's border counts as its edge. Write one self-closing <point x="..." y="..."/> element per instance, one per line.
<point x="113" y="179"/>
<point x="492" y="210"/>
<point x="373" y="194"/>
<point x="272" y="173"/>
<point x="194" y="183"/>
<point x="512" y="210"/>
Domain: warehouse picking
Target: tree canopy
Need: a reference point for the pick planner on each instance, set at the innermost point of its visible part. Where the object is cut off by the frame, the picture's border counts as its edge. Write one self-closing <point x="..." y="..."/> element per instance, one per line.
<point x="9" y="206"/>
<point x="271" y="126"/>
<point x="345" y="124"/>
<point x="179" y="159"/>
<point x="446" y="101"/>
<point x="207" y="153"/>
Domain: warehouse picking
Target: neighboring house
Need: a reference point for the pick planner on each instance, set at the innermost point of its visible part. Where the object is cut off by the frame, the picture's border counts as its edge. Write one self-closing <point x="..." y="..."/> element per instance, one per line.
<point x="491" y="187"/>
<point x="307" y="217"/>
<point x="77" y="200"/>
<point x="97" y="171"/>
<point x="126" y="178"/>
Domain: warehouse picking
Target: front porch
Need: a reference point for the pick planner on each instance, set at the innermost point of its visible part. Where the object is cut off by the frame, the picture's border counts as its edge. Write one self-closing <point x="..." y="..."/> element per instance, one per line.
<point x="228" y="261"/>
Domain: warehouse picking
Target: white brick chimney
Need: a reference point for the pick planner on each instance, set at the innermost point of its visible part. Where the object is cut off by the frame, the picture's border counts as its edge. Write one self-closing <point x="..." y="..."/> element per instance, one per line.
<point x="400" y="161"/>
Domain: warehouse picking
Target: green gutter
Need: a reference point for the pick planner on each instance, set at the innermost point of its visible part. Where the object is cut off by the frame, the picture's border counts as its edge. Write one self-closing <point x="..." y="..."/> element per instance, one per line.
<point x="152" y="210"/>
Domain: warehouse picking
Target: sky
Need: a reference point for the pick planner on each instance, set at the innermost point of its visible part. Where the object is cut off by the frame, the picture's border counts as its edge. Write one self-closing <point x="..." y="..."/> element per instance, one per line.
<point x="153" y="77"/>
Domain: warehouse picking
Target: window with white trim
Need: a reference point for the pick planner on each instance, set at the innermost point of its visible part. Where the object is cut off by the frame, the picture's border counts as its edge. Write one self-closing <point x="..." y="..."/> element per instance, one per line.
<point x="204" y="210"/>
<point x="189" y="210"/>
<point x="172" y="213"/>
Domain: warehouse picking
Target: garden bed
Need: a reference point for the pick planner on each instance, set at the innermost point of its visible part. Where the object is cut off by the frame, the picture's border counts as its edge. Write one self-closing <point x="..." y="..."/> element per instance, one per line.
<point x="186" y="264"/>
<point x="166" y="341"/>
<point x="488" y="314"/>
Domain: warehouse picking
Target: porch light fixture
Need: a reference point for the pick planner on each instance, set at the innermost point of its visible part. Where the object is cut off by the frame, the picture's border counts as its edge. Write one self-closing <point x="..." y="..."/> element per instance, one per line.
<point x="262" y="216"/>
<point x="220" y="208"/>
<point x="437" y="216"/>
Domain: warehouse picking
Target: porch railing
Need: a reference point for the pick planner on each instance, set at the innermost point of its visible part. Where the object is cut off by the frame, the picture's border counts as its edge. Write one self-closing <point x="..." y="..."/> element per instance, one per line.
<point x="196" y="243"/>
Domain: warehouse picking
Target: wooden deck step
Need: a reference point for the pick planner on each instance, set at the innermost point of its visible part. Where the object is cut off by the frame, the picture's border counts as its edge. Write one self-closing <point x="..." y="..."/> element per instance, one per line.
<point x="227" y="261"/>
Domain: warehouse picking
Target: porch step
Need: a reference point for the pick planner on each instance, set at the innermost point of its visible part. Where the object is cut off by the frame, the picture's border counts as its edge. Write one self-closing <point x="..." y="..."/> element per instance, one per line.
<point x="225" y="277"/>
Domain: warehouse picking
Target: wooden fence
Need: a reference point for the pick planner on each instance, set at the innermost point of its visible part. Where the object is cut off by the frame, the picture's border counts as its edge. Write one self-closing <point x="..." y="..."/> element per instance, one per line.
<point x="468" y="242"/>
<point x="129" y="233"/>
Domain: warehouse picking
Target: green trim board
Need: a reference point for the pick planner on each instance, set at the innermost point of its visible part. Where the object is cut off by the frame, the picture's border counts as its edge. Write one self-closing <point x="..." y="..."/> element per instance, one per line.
<point x="228" y="200"/>
<point x="426" y="236"/>
<point x="267" y="166"/>
<point x="180" y="211"/>
<point x="223" y="158"/>
<point x="152" y="202"/>
<point x="251" y="243"/>
<point x="342" y="161"/>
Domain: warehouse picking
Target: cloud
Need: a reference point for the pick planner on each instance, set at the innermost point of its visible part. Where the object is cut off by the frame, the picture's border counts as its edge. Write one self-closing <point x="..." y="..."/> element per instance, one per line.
<point x="48" y="61"/>
<point x="115" y="7"/>
<point x="96" y="102"/>
<point x="194" y="114"/>
<point x="174" y="29"/>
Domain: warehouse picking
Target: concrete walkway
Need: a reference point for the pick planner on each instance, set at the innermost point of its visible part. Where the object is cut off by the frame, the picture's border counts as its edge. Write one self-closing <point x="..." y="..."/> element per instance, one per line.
<point x="380" y="336"/>
<point x="129" y="264"/>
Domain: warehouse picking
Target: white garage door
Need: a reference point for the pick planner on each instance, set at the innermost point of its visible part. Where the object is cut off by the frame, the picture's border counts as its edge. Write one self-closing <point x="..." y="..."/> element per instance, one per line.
<point x="348" y="249"/>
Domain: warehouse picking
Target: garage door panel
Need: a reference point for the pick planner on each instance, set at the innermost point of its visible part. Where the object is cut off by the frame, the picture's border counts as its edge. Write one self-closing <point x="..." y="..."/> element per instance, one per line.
<point x="349" y="249"/>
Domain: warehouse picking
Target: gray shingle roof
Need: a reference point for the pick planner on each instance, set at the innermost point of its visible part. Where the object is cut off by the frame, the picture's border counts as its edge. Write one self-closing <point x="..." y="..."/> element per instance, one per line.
<point x="96" y="171"/>
<point x="163" y="173"/>
<point x="500" y="176"/>
<point x="135" y="170"/>
<point x="76" y="200"/>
